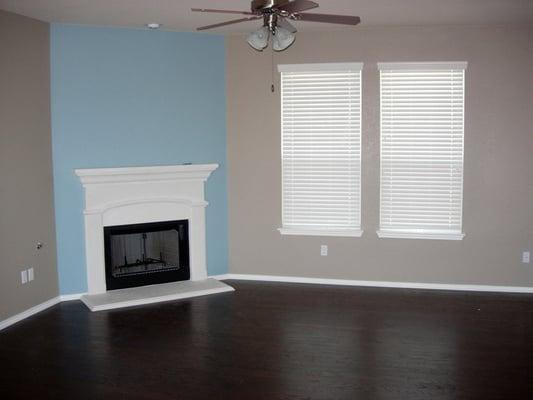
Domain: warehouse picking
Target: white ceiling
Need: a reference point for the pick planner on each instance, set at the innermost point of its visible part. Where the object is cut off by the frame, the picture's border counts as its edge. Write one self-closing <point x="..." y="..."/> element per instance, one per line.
<point x="176" y="14"/>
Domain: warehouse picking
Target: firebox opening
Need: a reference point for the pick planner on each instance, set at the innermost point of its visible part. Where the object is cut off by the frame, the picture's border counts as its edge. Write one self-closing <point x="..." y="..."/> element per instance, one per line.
<point x="146" y="254"/>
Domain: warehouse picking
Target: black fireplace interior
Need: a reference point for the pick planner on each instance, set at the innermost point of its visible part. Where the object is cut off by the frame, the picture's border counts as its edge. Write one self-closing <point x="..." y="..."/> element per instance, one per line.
<point x="146" y="254"/>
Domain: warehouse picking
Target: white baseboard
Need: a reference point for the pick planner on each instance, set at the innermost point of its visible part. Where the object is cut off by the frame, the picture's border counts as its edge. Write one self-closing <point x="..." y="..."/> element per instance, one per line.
<point x="386" y="284"/>
<point x="296" y="279"/>
<point x="70" y="297"/>
<point x="222" y="277"/>
<point x="38" y="308"/>
<point x="29" y="312"/>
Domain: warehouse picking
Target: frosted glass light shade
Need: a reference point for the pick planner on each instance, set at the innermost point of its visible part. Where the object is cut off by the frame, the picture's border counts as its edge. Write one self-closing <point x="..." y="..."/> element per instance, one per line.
<point x="282" y="39"/>
<point x="259" y="39"/>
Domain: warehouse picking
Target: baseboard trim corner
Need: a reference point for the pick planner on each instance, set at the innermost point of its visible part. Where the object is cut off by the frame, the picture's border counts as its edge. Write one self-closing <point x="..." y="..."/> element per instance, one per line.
<point x="221" y="277"/>
<point x="29" y="312"/>
<point x="383" y="284"/>
<point x="70" y="297"/>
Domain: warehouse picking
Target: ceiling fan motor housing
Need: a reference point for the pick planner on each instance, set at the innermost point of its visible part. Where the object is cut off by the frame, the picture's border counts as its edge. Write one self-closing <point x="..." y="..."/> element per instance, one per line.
<point x="260" y="5"/>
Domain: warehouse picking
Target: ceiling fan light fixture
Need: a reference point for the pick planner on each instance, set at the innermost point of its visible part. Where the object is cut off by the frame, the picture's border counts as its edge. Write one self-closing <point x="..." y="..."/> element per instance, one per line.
<point x="282" y="39"/>
<point x="277" y="16"/>
<point x="259" y="39"/>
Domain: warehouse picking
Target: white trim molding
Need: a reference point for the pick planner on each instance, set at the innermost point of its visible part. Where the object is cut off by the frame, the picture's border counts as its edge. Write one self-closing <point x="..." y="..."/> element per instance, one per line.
<point x="294" y="279"/>
<point x="29" y="312"/>
<point x="382" y="234"/>
<point x="383" y="284"/>
<point x="79" y="296"/>
<point x="136" y="174"/>
<point x="71" y="297"/>
<point x="347" y="66"/>
<point x="317" y="232"/>
<point x="389" y="66"/>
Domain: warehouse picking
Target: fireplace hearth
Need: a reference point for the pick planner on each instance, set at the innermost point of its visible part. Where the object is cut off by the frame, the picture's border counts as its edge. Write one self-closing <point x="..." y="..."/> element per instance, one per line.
<point x="146" y="254"/>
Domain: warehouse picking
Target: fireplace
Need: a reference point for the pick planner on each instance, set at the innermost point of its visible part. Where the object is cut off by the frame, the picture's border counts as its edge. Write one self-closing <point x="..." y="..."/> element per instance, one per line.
<point x="146" y="254"/>
<point x="145" y="235"/>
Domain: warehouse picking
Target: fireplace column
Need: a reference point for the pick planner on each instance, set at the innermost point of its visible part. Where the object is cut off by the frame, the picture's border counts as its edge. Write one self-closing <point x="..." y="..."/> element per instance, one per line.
<point x="94" y="250"/>
<point x="197" y="243"/>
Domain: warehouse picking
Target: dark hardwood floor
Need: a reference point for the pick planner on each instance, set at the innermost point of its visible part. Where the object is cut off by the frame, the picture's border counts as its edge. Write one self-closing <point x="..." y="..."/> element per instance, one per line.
<point x="278" y="341"/>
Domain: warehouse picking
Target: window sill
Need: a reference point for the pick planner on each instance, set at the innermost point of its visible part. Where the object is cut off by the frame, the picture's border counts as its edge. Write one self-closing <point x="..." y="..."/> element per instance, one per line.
<point x="317" y="232"/>
<point x="419" y="235"/>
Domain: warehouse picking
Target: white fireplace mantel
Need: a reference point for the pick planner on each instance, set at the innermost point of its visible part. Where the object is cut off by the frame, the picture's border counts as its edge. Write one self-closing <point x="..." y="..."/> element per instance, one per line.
<point x="122" y="196"/>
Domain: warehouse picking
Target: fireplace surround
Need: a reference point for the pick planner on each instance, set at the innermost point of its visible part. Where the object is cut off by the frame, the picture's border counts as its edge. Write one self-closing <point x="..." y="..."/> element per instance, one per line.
<point x="128" y="196"/>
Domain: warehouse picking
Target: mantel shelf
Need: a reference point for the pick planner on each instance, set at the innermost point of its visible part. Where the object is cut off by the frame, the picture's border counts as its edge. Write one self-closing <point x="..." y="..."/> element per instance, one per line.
<point x="157" y="173"/>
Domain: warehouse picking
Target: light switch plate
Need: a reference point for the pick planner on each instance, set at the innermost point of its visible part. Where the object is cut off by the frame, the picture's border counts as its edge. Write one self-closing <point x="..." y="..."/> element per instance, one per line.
<point x="24" y="276"/>
<point x="30" y="274"/>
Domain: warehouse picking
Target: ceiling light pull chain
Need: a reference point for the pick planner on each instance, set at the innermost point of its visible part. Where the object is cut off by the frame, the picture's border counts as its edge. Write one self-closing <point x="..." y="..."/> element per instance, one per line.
<point x="272" y="71"/>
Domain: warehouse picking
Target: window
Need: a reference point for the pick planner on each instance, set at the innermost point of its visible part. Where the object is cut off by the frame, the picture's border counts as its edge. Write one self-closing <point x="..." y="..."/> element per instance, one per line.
<point x="321" y="149"/>
<point x="422" y="130"/>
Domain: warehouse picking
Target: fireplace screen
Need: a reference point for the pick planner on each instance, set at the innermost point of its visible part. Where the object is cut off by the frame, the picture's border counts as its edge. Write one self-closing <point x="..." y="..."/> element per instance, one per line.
<point x="146" y="254"/>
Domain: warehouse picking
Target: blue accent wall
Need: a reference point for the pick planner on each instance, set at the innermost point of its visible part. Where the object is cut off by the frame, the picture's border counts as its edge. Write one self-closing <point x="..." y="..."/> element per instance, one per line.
<point x="126" y="97"/>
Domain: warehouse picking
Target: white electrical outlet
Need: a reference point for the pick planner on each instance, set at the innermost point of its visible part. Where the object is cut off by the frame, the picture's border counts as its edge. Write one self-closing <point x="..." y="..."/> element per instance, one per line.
<point x="30" y="274"/>
<point x="324" y="250"/>
<point x="525" y="257"/>
<point x="24" y="276"/>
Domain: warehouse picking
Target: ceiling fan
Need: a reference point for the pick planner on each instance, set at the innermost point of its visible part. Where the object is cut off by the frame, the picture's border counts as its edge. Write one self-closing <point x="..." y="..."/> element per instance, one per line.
<point x="276" y="15"/>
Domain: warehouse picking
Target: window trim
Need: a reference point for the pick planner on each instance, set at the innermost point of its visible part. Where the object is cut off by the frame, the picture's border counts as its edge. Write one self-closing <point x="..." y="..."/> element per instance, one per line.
<point x="399" y="234"/>
<point x="422" y="65"/>
<point x="320" y="67"/>
<point x="321" y="232"/>
<point x="324" y="67"/>
<point x="419" y="233"/>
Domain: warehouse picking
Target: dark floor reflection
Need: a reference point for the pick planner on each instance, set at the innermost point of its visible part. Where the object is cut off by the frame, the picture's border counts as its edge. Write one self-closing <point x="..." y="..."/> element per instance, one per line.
<point x="278" y="341"/>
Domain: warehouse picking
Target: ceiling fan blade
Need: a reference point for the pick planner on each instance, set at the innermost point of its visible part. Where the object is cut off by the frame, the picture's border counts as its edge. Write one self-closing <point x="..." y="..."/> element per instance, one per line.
<point x="328" y="18"/>
<point x="212" y="10"/>
<point x="283" y="23"/>
<point x="233" y="21"/>
<point x="297" y="6"/>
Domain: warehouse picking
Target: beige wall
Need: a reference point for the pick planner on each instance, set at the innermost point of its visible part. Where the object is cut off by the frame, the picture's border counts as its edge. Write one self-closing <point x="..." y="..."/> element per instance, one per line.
<point x="26" y="188"/>
<point x="498" y="189"/>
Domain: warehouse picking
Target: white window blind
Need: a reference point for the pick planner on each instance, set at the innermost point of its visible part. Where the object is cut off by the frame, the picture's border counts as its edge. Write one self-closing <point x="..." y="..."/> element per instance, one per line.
<point x="422" y="130"/>
<point x="321" y="149"/>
